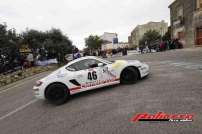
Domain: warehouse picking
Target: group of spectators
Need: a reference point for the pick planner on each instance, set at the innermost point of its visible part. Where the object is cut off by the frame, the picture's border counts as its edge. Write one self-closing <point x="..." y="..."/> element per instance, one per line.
<point x="162" y="46"/>
<point x="174" y="44"/>
<point x="22" y="61"/>
<point x="108" y="53"/>
<point x="29" y="60"/>
<point x="123" y="51"/>
<point x="104" y="54"/>
<point x="9" y="64"/>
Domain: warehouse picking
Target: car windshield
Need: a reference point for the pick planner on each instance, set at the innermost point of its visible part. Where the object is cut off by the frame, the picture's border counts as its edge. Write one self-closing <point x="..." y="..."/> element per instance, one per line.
<point x="84" y="64"/>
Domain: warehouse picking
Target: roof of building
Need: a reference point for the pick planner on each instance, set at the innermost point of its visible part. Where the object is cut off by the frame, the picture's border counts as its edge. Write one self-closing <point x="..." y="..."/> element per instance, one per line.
<point x="110" y="33"/>
<point x="151" y="22"/>
<point x="172" y="4"/>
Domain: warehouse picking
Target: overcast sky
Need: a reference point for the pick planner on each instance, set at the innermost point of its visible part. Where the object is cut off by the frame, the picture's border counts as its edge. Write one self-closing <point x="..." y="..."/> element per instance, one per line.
<point x="80" y="18"/>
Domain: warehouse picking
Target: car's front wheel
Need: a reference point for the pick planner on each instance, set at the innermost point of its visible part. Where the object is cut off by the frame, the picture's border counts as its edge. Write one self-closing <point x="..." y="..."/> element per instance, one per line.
<point x="129" y="75"/>
<point x="57" y="93"/>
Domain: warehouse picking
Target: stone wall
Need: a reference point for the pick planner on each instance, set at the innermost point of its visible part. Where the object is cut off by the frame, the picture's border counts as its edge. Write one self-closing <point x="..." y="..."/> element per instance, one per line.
<point x="21" y="74"/>
<point x="189" y="9"/>
<point x="188" y="26"/>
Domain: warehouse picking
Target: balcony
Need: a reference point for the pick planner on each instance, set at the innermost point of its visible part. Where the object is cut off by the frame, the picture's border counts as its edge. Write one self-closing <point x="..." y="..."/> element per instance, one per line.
<point x="179" y="22"/>
<point x="198" y="18"/>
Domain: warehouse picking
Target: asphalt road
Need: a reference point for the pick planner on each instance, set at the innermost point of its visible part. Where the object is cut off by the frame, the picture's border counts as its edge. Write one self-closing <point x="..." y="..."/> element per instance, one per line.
<point x="174" y="86"/>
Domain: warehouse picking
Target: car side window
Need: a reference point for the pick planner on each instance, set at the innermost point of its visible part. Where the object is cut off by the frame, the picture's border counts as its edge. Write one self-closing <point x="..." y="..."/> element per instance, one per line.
<point x="82" y="65"/>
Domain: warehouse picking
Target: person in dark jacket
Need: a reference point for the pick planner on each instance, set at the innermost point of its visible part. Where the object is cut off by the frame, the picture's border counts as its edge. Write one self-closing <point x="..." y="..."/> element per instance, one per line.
<point x="76" y="54"/>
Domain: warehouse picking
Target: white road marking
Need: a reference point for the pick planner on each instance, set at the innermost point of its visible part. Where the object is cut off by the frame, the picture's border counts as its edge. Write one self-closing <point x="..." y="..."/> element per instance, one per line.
<point x="5" y="90"/>
<point x="17" y="109"/>
<point x="186" y="65"/>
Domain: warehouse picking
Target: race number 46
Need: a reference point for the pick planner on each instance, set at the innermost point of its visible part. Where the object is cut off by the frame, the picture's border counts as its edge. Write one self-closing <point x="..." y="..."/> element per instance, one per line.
<point x="92" y="75"/>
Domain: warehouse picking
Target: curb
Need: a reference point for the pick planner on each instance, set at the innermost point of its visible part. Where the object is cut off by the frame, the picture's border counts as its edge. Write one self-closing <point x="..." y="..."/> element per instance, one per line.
<point x="6" y="87"/>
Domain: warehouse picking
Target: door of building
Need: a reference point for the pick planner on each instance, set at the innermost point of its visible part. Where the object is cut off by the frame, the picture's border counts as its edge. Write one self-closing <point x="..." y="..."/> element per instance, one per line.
<point x="180" y="35"/>
<point x="199" y="36"/>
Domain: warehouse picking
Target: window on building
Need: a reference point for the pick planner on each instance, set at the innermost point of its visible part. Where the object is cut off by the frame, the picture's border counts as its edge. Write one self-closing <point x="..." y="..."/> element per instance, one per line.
<point x="199" y="4"/>
<point x="180" y="12"/>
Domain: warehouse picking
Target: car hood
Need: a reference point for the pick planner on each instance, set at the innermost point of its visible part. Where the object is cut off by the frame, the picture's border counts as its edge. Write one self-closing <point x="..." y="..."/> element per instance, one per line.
<point x="55" y="74"/>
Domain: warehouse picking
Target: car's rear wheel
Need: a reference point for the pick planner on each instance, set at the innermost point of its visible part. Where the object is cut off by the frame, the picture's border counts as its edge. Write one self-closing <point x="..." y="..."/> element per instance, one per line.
<point x="57" y="93"/>
<point x="129" y="76"/>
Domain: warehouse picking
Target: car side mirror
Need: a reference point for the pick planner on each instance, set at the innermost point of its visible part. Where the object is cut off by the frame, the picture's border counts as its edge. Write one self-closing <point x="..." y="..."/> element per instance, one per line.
<point x="71" y="69"/>
<point x="100" y="64"/>
<point x="93" y="65"/>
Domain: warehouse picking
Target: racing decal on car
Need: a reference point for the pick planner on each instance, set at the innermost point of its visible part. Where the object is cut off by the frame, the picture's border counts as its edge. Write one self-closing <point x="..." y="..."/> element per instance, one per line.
<point x="96" y="83"/>
<point x="106" y="70"/>
<point x="75" y="88"/>
<point x="75" y="82"/>
<point x="92" y="75"/>
<point x="118" y="63"/>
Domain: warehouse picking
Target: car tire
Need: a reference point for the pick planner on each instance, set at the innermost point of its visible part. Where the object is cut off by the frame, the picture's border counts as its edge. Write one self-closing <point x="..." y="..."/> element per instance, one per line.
<point x="57" y="94"/>
<point x="129" y="76"/>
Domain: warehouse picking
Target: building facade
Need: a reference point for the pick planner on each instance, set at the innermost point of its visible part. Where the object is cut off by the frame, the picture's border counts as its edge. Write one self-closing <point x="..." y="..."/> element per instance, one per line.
<point x="111" y="46"/>
<point x="110" y="37"/>
<point x="140" y="30"/>
<point x="186" y="22"/>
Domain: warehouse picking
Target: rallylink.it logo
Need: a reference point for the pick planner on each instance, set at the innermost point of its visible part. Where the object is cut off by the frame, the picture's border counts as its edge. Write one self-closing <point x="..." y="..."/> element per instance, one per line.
<point x="161" y="116"/>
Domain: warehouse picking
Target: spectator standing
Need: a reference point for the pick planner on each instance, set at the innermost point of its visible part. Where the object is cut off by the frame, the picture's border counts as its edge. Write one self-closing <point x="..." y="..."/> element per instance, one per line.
<point x="124" y="51"/>
<point x="141" y="49"/>
<point x="162" y="46"/>
<point x="150" y="48"/>
<point x="76" y="54"/>
<point x="30" y="59"/>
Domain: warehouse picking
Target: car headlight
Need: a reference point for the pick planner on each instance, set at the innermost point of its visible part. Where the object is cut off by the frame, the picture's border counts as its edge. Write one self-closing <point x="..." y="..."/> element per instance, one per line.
<point x="38" y="83"/>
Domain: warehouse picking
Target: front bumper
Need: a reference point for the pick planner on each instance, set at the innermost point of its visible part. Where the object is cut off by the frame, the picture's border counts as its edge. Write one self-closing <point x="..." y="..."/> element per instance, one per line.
<point x="38" y="92"/>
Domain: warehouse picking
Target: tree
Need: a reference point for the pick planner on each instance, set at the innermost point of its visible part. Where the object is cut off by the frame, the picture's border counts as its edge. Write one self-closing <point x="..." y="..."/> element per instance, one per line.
<point x="8" y="38"/>
<point x="52" y="42"/>
<point x="93" y="42"/>
<point x="9" y="41"/>
<point x="167" y="36"/>
<point x="33" y="38"/>
<point x="3" y="35"/>
<point x="150" y="37"/>
<point x="58" y="44"/>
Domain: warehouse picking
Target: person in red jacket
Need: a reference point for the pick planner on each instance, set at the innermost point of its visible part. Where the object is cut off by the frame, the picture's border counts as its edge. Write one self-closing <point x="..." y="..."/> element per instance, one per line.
<point x="162" y="46"/>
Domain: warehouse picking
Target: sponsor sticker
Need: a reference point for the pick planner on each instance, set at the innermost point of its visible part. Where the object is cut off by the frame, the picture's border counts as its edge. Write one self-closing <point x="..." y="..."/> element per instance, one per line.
<point x="118" y="63"/>
<point x="98" y="82"/>
<point x="161" y="116"/>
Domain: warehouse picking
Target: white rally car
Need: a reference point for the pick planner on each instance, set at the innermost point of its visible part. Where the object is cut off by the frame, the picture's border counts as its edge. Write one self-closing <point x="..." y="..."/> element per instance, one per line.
<point x="87" y="73"/>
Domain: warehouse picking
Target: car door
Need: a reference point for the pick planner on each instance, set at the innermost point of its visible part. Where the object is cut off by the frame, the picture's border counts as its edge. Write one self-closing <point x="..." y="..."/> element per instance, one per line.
<point x="104" y="73"/>
<point x="110" y="74"/>
<point x="87" y="74"/>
